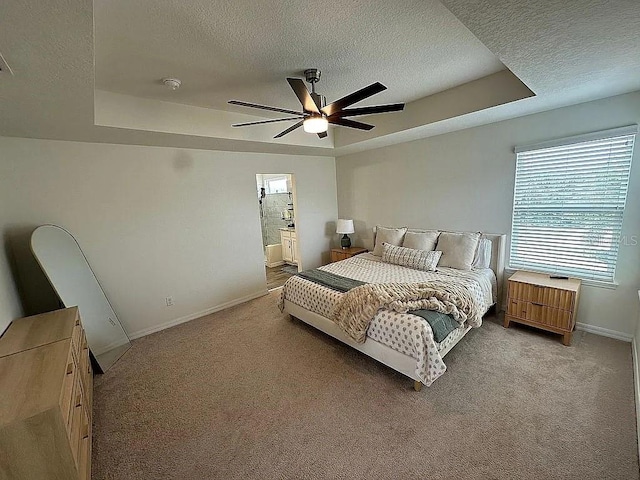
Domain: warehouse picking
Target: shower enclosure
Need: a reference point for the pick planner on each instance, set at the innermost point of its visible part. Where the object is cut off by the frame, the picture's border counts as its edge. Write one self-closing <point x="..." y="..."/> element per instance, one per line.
<point x="275" y="200"/>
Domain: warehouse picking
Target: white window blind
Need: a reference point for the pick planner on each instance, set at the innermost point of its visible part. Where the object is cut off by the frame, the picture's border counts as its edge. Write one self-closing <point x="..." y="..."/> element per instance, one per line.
<point x="568" y="205"/>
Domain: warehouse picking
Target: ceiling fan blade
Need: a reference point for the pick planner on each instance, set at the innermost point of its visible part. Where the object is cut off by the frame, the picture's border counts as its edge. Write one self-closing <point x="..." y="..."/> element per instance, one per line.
<point x="290" y="129"/>
<point x="352" y="98"/>
<point x="322" y="134"/>
<point x="354" y="112"/>
<point x="265" y="121"/>
<point x="264" y="107"/>
<point x="349" y="123"/>
<point x="303" y="95"/>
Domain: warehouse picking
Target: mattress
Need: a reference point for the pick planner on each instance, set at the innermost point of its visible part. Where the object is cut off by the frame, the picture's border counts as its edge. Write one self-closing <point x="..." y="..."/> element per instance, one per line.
<point x="406" y="333"/>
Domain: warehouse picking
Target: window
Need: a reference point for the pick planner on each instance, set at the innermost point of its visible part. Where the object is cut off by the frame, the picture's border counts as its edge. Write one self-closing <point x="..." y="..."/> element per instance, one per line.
<point x="568" y="202"/>
<point x="277" y="185"/>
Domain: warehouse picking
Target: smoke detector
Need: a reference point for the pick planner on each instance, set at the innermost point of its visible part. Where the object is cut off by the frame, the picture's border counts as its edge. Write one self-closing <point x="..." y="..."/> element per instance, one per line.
<point x="172" y="83"/>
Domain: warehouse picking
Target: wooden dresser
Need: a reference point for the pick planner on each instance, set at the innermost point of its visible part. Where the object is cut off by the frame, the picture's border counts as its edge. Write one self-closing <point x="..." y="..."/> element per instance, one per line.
<point x="338" y="254"/>
<point x="547" y="303"/>
<point x="47" y="392"/>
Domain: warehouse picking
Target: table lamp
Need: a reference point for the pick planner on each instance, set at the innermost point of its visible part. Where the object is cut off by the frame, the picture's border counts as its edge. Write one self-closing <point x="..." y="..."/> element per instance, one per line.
<point x="345" y="227"/>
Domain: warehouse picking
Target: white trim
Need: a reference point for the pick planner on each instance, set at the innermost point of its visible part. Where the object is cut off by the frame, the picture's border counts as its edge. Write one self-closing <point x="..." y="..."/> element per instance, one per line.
<point x="156" y="328"/>
<point x="111" y="346"/>
<point x="604" y="332"/>
<point x="614" y="132"/>
<point x="636" y="382"/>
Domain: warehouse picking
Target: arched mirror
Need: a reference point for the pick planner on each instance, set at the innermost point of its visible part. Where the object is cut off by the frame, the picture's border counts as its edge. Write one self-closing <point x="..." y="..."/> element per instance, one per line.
<point x="70" y="275"/>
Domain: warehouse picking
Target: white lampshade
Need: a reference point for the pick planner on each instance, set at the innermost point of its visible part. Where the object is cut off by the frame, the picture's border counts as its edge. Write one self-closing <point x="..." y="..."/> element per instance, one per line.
<point x="345" y="226"/>
<point x="315" y="125"/>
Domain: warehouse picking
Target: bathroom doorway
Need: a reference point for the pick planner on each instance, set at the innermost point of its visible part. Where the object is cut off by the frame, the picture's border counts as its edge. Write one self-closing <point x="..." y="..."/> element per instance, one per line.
<point x="276" y="201"/>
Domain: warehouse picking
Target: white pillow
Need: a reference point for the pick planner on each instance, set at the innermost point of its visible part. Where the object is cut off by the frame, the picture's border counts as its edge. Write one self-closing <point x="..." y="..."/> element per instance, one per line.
<point x="483" y="255"/>
<point x="421" y="240"/>
<point x="410" y="257"/>
<point x="458" y="249"/>
<point x="392" y="236"/>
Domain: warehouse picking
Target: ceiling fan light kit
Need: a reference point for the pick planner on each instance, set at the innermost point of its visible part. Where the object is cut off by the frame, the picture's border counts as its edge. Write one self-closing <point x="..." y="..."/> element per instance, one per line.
<point x="316" y="115"/>
<point x="315" y="124"/>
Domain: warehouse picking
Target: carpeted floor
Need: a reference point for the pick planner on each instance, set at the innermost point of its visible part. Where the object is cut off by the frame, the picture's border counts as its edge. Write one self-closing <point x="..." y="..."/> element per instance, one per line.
<point x="248" y="393"/>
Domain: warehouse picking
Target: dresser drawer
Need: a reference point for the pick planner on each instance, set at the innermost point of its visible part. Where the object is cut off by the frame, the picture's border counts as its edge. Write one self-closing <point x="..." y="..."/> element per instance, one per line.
<point x="68" y="385"/>
<point x="79" y="421"/>
<point x="84" y="464"/>
<point x="76" y="341"/>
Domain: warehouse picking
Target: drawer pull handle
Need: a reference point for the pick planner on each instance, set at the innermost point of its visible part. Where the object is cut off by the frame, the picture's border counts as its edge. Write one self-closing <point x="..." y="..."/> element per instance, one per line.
<point x="537" y="304"/>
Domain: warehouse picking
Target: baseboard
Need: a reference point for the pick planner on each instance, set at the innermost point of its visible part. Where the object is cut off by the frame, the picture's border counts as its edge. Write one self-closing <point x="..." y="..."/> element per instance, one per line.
<point x="604" y="332"/>
<point x="275" y="264"/>
<point x="111" y="346"/>
<point x="193" y="316"/>
<point x="636" y="382"/>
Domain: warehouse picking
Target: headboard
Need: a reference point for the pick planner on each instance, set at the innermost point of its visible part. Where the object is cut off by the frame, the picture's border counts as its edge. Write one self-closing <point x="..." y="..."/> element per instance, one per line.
<point x="498" y="250"/>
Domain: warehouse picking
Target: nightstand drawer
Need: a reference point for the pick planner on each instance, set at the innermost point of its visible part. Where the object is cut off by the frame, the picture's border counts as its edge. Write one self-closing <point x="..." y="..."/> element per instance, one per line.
<point x="517" y="308"/>
<point x="338" y="254"/>
<point x="549" y="296"/>
<point x="551" y="317"/>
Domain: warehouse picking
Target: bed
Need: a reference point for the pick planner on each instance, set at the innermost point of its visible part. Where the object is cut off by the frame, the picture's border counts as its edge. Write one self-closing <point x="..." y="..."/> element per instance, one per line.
<point x="418" y="355"/>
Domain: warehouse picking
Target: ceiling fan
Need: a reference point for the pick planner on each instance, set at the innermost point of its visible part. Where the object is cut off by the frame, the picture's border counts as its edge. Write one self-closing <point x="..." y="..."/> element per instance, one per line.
<point x="316" y="115"/>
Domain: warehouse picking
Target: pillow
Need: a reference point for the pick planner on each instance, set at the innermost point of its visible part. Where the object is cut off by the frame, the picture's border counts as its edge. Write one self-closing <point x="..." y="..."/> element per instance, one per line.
<point x="410" y="257"/>
<point x="421" y="240"/>
<point x="392" y="236"/>
<point x="458" y="249"/>
<point x="483" y="255"/>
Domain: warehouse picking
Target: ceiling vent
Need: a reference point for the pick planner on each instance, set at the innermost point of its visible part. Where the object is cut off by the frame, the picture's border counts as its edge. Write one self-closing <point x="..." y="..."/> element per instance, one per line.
<point x="4" y="66"/>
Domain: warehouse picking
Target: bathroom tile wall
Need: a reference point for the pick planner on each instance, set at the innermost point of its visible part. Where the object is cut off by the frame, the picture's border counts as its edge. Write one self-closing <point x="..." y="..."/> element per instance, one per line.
<point x="273" y="207"/>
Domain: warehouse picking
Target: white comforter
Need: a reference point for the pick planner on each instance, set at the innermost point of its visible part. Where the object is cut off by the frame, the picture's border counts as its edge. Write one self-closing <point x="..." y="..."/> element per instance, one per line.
<point x="408" y="334"/>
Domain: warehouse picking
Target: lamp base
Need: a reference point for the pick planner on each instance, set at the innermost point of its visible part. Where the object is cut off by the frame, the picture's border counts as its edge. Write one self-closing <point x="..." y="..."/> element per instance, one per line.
<point x="345" y="241"/>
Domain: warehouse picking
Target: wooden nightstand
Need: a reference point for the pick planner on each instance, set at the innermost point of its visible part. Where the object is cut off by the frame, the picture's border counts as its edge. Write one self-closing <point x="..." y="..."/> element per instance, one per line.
<point x="342" y="253"/>
<point x="547" y="303"/>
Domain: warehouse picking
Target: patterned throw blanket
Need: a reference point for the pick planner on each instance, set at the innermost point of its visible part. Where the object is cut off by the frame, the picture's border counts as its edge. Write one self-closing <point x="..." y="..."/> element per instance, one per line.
<point x="358" y="306"/>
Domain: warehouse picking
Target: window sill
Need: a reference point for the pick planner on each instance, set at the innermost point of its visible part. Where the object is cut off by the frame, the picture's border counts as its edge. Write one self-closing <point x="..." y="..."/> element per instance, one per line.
<point x="589" y="283"/>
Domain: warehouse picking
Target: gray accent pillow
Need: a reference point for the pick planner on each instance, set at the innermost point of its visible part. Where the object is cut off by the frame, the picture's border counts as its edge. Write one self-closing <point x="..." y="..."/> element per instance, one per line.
<point x="392" y="236"/>
<point x="458" y="249"/>
<point x="409" y="257"/>
<point x="421" y="240"/>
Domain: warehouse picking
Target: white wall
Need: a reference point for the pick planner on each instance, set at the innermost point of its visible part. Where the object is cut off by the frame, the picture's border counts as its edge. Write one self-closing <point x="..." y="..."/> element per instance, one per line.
<point x="464" y="181"/>
<point x="154" y="222"/>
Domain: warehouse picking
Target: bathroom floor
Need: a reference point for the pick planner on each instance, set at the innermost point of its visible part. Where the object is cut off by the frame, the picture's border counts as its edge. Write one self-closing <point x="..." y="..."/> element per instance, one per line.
<point x="276" y="277"/>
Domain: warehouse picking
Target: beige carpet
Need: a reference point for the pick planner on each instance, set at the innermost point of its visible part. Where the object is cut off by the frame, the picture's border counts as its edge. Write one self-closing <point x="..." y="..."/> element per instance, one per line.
<point x="248" y="393"/>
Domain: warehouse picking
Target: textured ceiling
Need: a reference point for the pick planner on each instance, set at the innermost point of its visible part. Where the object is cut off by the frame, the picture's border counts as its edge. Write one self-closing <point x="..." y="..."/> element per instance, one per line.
<point x="584" y="48"/>
<point x="244" y="49"/>
<point x="565" y="51"/>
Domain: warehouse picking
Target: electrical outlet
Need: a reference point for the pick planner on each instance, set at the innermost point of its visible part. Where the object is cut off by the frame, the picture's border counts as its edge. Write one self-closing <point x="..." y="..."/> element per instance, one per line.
<point x="169" y="301"/>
